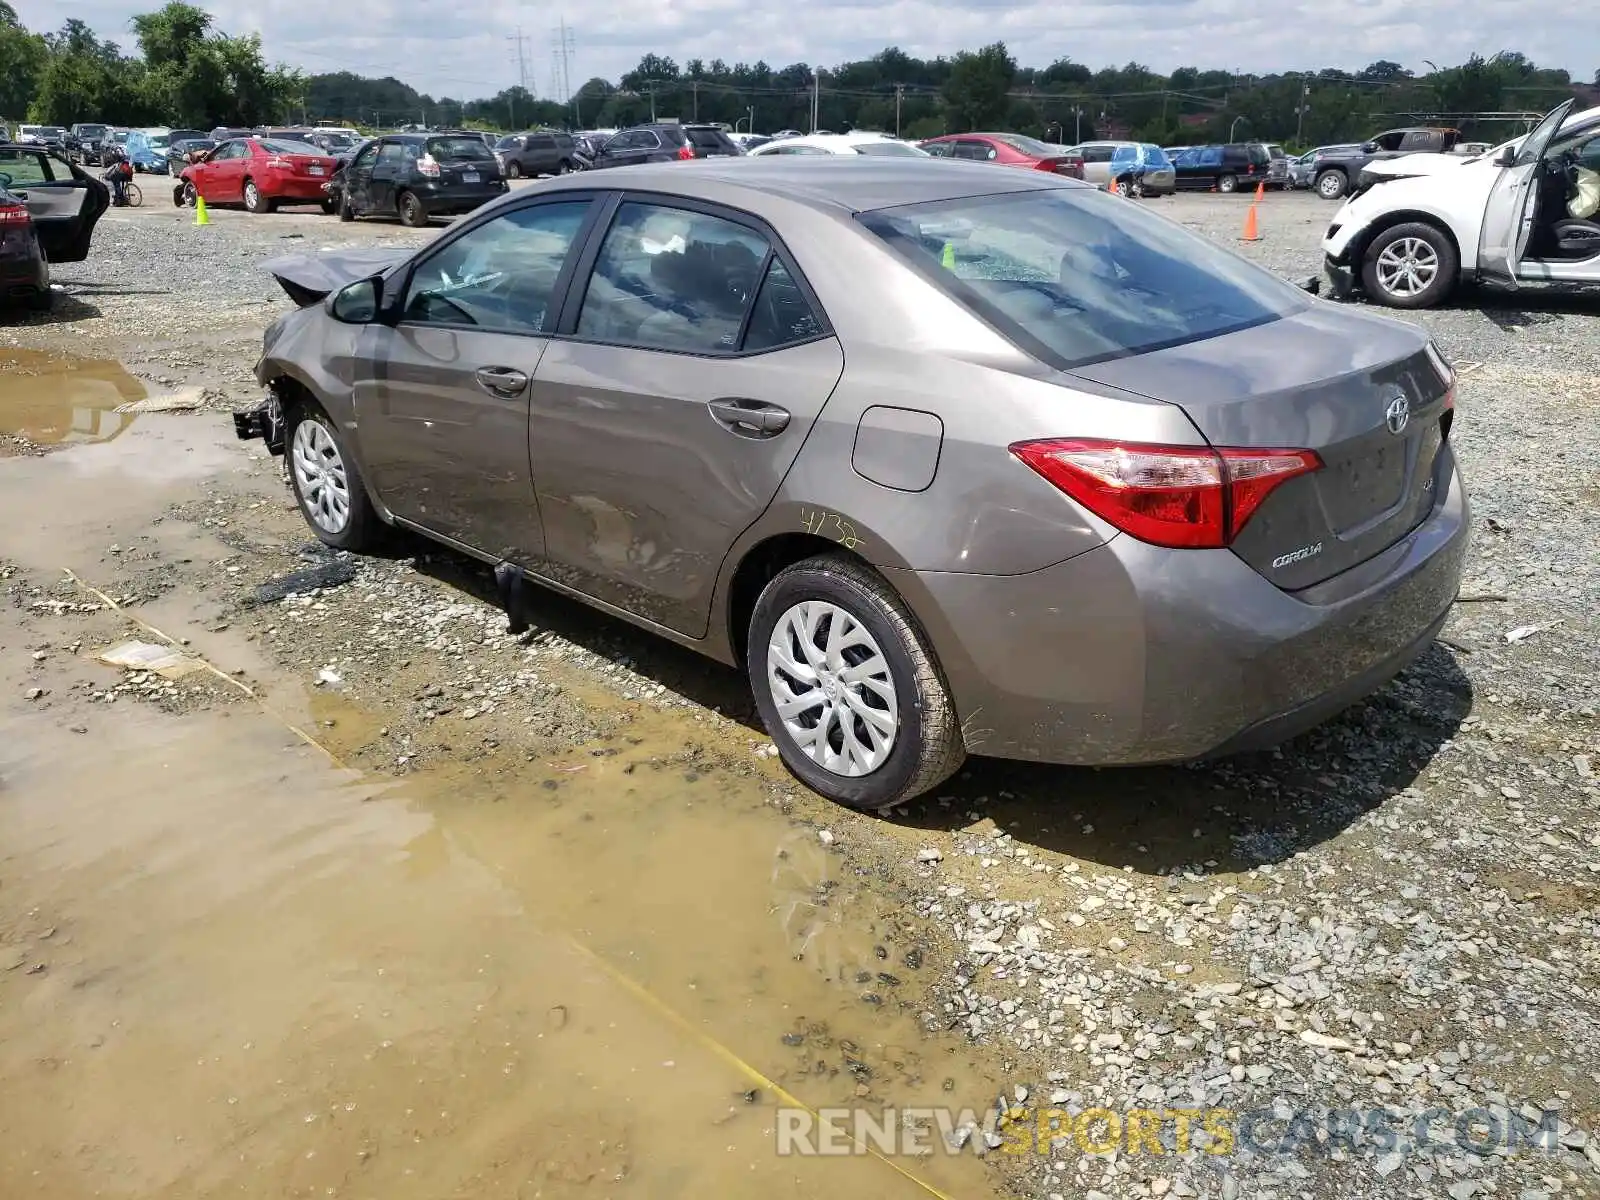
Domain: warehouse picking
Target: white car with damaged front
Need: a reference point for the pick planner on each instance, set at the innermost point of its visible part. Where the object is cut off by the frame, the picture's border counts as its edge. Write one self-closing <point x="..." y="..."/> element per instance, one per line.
<point x="1417" y="227"/>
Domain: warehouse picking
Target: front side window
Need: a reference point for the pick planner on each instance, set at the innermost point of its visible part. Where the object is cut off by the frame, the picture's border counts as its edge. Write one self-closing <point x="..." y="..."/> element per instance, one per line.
<point x="365" y="159"/>
<point x="938" y="149"/>
<point x="393" y="154"/>
<point x="500" y="276"/>
<point x="1208" y="156"/>
<point x="22" y="168"/>
<point x="1075" y="277"/>
<point x="888" y="149"/>
<point x="671" y="279"/>
<point x="1153" y="156"/>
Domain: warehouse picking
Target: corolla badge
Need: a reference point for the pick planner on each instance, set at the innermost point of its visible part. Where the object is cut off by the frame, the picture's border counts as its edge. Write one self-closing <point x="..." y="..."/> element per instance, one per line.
<point x="1398" y="415"/>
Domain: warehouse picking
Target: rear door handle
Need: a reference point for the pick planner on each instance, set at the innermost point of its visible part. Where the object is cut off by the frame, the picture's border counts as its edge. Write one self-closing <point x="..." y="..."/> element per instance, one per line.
<point x="750" y="418"/>
<point x="502" y="381"/>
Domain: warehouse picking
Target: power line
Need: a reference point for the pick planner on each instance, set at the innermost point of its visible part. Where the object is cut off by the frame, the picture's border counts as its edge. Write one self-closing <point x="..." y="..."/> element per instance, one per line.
<point x="523" y="73"/>
<point x="562" y="55"/>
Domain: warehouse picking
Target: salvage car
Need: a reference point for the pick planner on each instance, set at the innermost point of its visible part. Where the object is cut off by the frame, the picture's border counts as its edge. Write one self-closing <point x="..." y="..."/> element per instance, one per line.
<point x="48" y="211"/>
<point x="879" y="145"/>
<point x="417" y="176"/>
<point x="1008" y="150"/>
<point x="260" y="174"/>
<point x="949" y="460"/>
<point x="1419" y="226"/>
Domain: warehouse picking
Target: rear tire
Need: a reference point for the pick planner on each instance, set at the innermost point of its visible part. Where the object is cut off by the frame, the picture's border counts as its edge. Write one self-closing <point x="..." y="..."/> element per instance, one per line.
<point x="412" y="214"/>
<point x="254" y="201"/>
<point x="1413" y="265"/>
<point x="190" y="192"/>
<point x="513" y="170"/>
<point x="327" y="483"/>
<point x="346" y="212"/>
<point x="913" y="741"/>
<point x="1332" y="184"/>
<point x="1227" y="183"/>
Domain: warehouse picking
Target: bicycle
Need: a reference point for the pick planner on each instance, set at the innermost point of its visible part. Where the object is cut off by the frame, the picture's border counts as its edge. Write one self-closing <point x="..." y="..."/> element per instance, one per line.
<point x="134" y="195"/>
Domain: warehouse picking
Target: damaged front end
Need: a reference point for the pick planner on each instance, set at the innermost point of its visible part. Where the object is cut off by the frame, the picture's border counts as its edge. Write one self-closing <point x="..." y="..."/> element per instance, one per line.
<point x="263" y="420"/>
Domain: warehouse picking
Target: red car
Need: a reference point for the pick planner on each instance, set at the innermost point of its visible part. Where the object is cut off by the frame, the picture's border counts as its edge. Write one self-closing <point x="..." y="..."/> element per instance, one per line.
<point x="260" y="173"/>
<point x="1007" y="150"/>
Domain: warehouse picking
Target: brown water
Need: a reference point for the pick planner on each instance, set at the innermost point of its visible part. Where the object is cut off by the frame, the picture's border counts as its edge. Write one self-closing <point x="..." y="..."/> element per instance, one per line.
<point x="229" y="967"/>
<point x="50" y="398"/>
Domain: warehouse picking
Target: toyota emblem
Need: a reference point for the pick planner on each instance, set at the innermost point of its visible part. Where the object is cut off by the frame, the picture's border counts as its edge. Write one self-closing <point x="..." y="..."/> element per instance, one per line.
<point x="1398" y="415"/>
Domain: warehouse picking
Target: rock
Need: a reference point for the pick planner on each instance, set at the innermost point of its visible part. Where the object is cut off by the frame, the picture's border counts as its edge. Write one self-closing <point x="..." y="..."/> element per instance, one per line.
<point x="929" y="854"/>
<point x="1323" y="1041"/>
<point x="33" y="694"/>
<point x="1388" y="1164"/>
<point x="1462" y="1189"/>
<point x="825" y="836"/>
<point x="1160" y="1186"/>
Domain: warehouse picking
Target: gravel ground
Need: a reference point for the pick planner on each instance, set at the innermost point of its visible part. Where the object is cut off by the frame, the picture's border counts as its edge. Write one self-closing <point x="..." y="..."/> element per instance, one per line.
<point x="1398" y="914"/>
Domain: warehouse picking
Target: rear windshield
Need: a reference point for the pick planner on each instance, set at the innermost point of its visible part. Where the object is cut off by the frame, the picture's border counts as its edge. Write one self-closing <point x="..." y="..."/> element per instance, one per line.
<point x="1259" y="155"/>
<point x="1154" y="156"/>
<point x="887" y="149"/>
<point x="1027" y="145"/>
<point x="1074" y="276"/>
<point x="707" y="139"/>
<point x="459" y="149"/>
<point x="283" y="146"/>
<point x="52" y="131"/>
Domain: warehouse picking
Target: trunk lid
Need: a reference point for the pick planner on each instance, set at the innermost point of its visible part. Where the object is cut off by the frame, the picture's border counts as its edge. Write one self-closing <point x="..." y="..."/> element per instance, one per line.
<point x="1322" y="380"/>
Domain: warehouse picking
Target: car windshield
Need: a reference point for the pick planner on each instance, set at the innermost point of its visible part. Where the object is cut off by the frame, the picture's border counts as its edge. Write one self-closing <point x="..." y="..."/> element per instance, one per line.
<point x="888" y="149"/>
<point x="706" y="139"/>
<point x="459" y="149"/>
<point x="51" y="131"/>
<point x="158" y="141"/>
<point x="1075" y="277"/>
<point x="1154" y="156"/>
<point x="283" y="146"/>
<point x="1027" y="145"/>
<point x="92" y="131"/>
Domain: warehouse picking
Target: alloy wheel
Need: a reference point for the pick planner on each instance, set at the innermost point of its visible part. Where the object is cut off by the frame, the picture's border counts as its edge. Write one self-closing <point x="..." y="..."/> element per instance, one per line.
<point x="832" y="688"/>
<point x="1407" y="266"/>
<point x="320" y="477"/>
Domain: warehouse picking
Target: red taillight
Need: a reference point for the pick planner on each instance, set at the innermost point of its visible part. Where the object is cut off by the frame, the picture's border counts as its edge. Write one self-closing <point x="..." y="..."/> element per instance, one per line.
<point x="685" y="152"/>
<point x="1191" y="497"/>
<point x="14" y="214"/>
<point x="429" y="166"/>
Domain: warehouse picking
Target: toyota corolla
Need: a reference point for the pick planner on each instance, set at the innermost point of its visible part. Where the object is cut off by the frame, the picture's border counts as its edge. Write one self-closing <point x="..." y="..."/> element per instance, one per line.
<point x="949" y="460"/>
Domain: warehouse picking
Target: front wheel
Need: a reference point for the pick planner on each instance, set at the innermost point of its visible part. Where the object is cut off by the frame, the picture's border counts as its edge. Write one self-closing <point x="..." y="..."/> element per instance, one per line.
<point x="327" y="483"/>
<point x="412" y="214"/>
<point x="346" y="212"/>
<point x="1410" y="266"/>
<point x="1227" y="183"/>
<point x="513" y="170"/>
<point x="1331" y="184"/>
<point x="848" y="687"/>
<point x="135" y="196"/>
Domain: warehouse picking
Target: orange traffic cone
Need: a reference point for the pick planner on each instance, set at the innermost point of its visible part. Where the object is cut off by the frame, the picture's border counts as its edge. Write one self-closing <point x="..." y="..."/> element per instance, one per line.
<point x="1112" y="187"/>
<point x="1261" y="191"/>
<point x="1251" y="233"/>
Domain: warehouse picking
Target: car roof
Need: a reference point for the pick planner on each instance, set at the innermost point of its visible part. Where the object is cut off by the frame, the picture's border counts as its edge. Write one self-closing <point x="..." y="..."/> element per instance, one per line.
<point x="821" y="182"/>
<point x="838" y="142"/>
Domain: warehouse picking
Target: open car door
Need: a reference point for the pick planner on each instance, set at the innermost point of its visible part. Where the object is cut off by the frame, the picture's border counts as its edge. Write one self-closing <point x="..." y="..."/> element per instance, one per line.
<point x="64" y="201"/>
<point x="1509" y="214"/>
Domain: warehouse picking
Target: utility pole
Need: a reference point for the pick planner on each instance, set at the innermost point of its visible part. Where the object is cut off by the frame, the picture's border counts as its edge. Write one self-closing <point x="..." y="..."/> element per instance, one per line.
<point x="1300" y="110"/>
<point x="816" y="96"/>
<point x="899" y="94"/>
<point x="563" y="64"/>
<point x="523" y="74"/>
<point x="652" y="102"/>
<point x="694" y="91"/>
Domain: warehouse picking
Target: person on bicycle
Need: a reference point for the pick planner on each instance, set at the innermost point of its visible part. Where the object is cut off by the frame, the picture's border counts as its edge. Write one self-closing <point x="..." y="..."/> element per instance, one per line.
<point x="119" y="174"/>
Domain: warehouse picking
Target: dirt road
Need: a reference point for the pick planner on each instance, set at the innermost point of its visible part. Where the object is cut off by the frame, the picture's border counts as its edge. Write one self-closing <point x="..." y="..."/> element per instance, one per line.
<point x="361" y="896"/>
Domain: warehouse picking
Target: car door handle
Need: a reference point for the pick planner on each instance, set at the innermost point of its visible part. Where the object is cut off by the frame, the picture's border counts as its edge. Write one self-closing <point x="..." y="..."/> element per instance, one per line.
<point x="750" y="418"/>
<point x="502" y="381"/>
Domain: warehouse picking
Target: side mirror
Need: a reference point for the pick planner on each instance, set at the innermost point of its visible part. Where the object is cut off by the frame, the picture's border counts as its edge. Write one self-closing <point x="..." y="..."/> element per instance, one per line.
<point x="1507" y="157"/>
<point x="357" y="303"/>
<point x="1369" y="147"/>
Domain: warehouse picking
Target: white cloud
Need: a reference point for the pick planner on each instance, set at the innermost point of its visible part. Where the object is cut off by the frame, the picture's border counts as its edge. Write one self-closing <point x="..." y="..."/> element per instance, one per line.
<point x="470" y="51"/>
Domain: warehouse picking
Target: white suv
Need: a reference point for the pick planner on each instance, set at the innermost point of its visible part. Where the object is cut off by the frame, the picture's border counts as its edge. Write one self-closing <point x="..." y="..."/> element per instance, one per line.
<point x="1417" y="226"/>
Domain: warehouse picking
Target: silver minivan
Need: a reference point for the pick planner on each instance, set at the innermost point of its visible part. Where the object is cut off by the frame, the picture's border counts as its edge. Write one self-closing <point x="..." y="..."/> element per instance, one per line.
<point x="1138" y="165"/>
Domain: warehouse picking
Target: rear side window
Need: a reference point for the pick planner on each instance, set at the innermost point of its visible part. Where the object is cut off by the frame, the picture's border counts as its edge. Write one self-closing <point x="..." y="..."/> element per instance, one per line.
<point x="782" y="315"/>
<point x="275" y="146"/>
<point x="887" y="149"/>
<point x="1259" y="156"/>
<point x="1207" y="156"/>
<point x="562" y="141"/>
<point x="1154" y="156"/>
<point x="458" y="149"/>
<point x="1075" y="277"/>
<point x="707" y="139"/>
<point x="670" y="279"/>
<point x="541" y="141"/>
<point x="394" y="154"/>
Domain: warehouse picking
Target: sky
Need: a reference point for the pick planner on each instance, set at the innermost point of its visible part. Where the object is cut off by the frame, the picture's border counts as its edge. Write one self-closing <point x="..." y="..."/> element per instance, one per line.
<point x="468" y="48"/>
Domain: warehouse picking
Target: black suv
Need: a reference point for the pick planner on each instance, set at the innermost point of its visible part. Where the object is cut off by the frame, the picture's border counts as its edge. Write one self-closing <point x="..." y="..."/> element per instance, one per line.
<point x="1226" y="168"/>
<point x="417" y="176"/>
<point x="84" y="143"/>
<point x="665" y="142"/>
<point x="538" y="153"/>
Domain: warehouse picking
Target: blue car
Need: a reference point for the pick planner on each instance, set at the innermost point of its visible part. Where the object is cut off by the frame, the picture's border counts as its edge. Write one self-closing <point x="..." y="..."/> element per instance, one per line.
<point x="147" y="151"/>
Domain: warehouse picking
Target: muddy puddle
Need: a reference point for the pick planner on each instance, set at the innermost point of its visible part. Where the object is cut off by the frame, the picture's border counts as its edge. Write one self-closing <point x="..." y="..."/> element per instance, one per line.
<point x="231" y="967"/>
<point x="51" y="399"/>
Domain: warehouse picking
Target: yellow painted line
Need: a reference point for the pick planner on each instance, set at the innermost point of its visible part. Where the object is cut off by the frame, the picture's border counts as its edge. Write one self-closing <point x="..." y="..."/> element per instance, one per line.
<point x="626" y="982"/>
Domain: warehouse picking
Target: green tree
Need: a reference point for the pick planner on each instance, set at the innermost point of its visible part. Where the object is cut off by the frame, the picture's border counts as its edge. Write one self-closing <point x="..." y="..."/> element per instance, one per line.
<point x="976" y="90"/>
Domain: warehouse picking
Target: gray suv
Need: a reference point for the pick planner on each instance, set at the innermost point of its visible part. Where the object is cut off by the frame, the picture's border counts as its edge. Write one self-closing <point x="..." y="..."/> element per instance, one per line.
<point x="527" y="155"/>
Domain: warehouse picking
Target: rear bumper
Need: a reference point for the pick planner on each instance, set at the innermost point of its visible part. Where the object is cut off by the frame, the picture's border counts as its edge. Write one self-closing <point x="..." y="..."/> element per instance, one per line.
<point x="458" y="198"/>
<point x="305" y="188"/>
<point x="1130" y="654"/>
